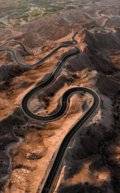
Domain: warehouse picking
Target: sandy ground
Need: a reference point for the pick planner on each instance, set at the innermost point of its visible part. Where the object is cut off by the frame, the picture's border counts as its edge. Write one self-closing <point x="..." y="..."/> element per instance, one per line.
<point x="96" y="66"/>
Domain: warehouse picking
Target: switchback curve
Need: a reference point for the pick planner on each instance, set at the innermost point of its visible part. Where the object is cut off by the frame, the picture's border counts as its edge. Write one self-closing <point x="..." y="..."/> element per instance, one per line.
<point x="50" y="181"/>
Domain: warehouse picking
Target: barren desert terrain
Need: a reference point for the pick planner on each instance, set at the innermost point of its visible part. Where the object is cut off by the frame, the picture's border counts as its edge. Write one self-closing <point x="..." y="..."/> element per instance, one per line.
<point x="27" y="146"/>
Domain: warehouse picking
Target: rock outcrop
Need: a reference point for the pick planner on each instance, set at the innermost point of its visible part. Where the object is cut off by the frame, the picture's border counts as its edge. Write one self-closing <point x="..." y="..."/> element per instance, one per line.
<point x="92" y="161"/>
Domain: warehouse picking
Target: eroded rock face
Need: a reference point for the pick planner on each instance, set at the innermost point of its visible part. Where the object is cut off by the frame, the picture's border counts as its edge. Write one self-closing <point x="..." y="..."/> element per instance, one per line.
<point x="93" y="159"/>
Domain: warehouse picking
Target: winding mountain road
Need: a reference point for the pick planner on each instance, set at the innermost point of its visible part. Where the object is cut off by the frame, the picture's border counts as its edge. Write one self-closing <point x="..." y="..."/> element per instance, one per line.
<point x="51" y="179"/>
<point x="17" y="60"/>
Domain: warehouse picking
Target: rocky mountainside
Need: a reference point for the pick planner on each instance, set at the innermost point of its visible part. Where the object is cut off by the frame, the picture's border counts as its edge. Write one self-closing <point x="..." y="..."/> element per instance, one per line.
<point x="92" y="161"/>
